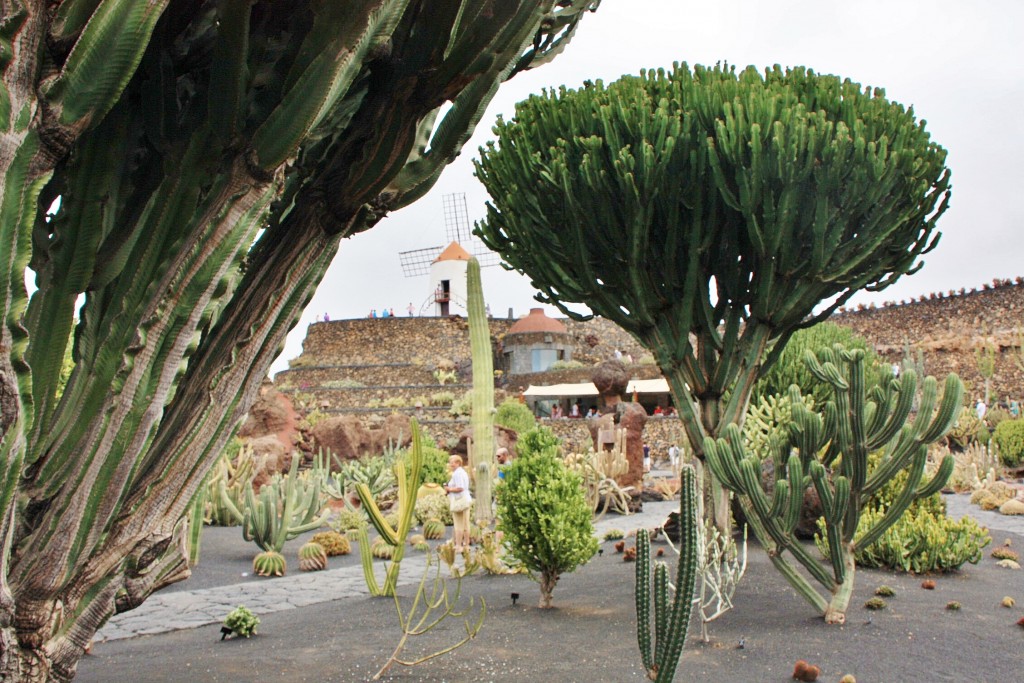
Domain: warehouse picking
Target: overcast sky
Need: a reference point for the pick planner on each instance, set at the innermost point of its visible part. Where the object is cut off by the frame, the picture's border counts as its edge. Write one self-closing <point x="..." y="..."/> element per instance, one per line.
<point x="958" y="63"/>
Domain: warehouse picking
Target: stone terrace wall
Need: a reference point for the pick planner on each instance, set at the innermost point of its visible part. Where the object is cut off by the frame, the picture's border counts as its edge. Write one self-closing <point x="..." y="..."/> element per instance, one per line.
<point x="948" y="329"/>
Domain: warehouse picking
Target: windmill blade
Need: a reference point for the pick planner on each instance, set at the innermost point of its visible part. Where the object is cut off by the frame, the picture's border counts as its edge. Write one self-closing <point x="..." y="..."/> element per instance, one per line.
<point x="417" y="262"/>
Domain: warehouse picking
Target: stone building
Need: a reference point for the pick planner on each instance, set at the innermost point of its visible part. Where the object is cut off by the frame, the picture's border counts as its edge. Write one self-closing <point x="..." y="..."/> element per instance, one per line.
<point x="534" y="343"/>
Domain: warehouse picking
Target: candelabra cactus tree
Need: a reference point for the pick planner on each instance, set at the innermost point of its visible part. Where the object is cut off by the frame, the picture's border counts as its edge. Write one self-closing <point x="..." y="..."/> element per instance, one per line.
<point x="830" y="452"/>
<point x="660" y="655"/>
<point x="708" y="212"/>
<point x="482" y="417"/>
<point x="208" y="160"/>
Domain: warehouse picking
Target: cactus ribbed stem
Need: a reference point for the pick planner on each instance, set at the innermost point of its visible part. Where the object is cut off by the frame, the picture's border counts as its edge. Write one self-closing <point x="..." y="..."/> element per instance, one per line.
<point x="660" y="653"/>
<point x="482" y="418"/>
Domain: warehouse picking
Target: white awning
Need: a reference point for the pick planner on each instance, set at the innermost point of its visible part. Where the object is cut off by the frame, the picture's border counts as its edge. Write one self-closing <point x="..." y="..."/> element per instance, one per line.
<point x="640" y="386"/>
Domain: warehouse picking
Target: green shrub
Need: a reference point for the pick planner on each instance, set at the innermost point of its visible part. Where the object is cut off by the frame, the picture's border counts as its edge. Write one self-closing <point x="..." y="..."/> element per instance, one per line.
<point x="515" y="415"/>
<point x="435" y="465"/>
<point x="545" y="518"/>
<point x="537" y="440"/>
<point x="395" y="402"/>
<point x="995" y="416"/>
<point x="1009" y="439"/>
<point x="462" y="406"/>
<point x="346" y="383"/>
<point x="790" y="367"/>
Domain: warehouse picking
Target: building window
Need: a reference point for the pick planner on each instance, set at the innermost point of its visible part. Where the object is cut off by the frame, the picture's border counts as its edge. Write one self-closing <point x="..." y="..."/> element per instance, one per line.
<point x="542" y="359"/>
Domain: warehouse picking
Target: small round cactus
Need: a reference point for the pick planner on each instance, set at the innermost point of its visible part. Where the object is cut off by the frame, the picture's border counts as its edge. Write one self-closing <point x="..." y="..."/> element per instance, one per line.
<point x="953" y="606"/>
<point x="416" y="539"/>
<point x="382" y="550"/>
<point x="242" y="621"/>
<point x="614" y="534"/>
<point x="885" y="591"/>
<point x="312" y="557"/>
<point x="333" y="543"/>
<point x="875" y="604"/>
<point x="1008" y="602"/>
<point x="433" y="529"/>
<point x="269" y="563"/>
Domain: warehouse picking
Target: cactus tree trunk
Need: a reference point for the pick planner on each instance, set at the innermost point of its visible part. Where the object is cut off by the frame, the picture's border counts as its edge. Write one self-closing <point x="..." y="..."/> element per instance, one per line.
<point x="208" y="163"/>
<point x="482" y="453"/>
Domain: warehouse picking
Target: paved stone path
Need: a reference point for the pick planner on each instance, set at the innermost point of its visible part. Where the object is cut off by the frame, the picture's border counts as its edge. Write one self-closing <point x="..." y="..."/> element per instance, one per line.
<point x="170" y="611"/>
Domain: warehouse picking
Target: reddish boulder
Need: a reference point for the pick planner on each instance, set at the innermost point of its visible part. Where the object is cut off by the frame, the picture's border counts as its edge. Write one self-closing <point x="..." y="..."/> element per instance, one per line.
<point x="348" y="437"/>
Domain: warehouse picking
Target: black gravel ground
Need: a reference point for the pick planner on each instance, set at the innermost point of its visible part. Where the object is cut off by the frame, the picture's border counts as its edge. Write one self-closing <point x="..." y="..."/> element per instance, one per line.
<point x="591" y="635"/>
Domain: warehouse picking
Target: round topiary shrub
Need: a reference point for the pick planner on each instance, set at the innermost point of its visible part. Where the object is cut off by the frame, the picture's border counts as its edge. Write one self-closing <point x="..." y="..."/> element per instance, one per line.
<point x="545" y="518"/>
<point x="1009" y="439"/>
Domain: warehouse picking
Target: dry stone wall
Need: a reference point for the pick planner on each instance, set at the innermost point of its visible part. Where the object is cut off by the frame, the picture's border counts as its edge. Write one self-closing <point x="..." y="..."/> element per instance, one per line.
<point x="949" y="329"/>
<point x="347" y="365"/>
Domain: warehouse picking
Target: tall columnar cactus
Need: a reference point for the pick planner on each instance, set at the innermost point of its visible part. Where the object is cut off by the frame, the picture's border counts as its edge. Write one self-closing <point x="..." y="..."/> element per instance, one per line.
<point x="671" y="618"/>
<point x="708" y="212"/>
<point x="394" y="536"/>
<point x="284" y="508"/>
<point x="829" y="451"/>
<point x="226" y="487"/>
<point x="209" y="160"/>
<point x="482" y="418"/>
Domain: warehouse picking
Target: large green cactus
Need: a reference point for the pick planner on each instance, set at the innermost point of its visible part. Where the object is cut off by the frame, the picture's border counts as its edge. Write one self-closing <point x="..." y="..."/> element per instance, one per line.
<point x="829" y="451"/>
<point x="708" y="212"/>
<point x="284" y="508"/>
<point x="208" y="160"/>
<point x="660" y="655"/>
<point x="482" y="417"/>
<point x="394" y="536"/>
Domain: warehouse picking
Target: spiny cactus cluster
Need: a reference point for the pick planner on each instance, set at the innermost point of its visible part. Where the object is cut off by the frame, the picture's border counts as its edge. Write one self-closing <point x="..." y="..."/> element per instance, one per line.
<point x="830" y="451"/>
<point x="333" y="543"/>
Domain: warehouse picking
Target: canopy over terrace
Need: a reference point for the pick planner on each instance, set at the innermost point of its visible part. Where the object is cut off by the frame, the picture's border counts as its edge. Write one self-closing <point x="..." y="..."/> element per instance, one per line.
<point x="542" y="398"/>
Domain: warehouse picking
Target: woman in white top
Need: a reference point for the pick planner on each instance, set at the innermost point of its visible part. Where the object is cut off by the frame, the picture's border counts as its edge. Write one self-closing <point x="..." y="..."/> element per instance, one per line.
<point x="456" y="488"/>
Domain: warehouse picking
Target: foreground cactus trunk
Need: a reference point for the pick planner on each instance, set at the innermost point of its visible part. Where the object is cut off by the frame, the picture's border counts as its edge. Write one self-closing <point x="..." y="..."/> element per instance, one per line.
<point x="208" y="162"/>
<point x="830" y="452"/>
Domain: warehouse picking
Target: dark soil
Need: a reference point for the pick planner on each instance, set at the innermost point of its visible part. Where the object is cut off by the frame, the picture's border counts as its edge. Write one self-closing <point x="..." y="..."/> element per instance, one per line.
<point x="591" y="635"/>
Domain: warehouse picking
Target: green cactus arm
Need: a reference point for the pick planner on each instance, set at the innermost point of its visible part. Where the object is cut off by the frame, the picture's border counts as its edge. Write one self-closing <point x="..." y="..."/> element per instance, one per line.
<point x="952" y="399"/>
<point x="374" y="514"/>
<point x="905" y="390"/>
<point x="103" y="59"/>
<point x="796" y="477"/>
<point x="661" y="608"/>
<point x="942" y="475"/>
<point x="226" y="502"/>
<point x="642" y="597"/>
<point x="902" y="502"/>
<point x="366" y="559"/>
<point x="686" y="573"/>
<point x="338" y="60"/>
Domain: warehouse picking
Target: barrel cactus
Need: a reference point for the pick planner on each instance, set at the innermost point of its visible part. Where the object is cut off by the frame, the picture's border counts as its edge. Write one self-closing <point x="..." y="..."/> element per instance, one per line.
<point x="433" y="529"/>
<point x="312" y="557"/>
<point x="269" y="563"/>
<point x="382" y="550"/>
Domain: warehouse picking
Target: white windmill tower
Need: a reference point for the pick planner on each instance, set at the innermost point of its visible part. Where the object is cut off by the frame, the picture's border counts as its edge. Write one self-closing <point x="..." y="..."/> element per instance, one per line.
<point x="446" y="264"/>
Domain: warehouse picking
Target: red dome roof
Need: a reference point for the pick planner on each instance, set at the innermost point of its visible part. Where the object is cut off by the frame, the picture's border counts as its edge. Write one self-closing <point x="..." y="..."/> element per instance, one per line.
<point x="536" y="321"/>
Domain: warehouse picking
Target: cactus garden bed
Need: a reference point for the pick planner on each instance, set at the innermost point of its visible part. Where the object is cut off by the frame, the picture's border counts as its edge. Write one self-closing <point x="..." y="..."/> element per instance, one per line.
<point x="590" y="635"/>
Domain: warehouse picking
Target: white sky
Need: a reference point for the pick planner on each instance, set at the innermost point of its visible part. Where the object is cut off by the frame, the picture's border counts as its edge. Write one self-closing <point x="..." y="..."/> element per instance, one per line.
<point x="958" y="63"/>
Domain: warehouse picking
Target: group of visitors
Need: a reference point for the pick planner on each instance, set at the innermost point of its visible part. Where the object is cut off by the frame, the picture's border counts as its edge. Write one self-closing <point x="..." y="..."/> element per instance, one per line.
<point x="384" y="313"/>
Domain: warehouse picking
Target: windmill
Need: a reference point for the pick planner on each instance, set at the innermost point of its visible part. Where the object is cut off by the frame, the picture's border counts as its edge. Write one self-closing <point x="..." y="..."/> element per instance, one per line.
<point x="444" y="262"/>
